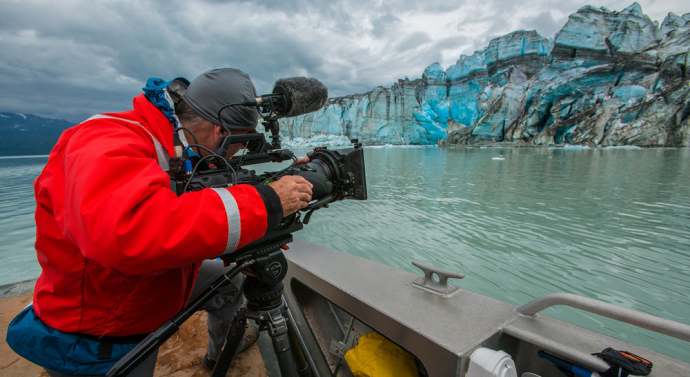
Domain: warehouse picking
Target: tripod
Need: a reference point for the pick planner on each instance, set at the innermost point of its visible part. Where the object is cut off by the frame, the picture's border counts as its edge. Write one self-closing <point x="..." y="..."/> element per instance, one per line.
<point x="263" y="290"/>
<point x="265" y="267"/>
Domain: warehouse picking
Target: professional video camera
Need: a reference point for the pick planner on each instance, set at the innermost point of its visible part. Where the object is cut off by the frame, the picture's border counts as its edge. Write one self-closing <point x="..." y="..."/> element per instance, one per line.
<point x="334" y="174"/>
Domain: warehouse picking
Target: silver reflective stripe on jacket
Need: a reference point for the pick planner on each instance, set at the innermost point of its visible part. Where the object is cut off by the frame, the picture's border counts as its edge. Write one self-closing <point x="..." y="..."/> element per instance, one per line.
<point x="234" y="224"/>
<point x="161" y="153"/>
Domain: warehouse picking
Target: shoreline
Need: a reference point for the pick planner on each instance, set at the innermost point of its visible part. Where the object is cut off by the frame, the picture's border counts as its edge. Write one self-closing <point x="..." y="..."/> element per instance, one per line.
<point x="25" y="156"/>
<point x="487" y="144"/>
<point x="17" y="288"/>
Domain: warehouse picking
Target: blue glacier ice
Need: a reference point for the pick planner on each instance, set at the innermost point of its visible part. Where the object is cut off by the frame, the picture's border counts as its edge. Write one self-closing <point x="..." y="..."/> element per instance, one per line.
<point x="607" y="78"/>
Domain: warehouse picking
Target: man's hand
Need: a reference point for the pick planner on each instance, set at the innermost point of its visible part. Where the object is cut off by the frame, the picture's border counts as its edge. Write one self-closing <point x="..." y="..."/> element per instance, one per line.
<point x="302" y="160"/>
<point x="294" y="192"/>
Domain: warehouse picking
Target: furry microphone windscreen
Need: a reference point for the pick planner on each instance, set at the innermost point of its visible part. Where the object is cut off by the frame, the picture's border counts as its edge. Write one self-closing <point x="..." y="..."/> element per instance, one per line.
<point x="307" y="94"/>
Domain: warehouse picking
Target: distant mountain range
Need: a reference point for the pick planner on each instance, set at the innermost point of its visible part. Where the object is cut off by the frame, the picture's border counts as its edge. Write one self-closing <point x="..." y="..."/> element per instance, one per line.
<point x="27" y="134"/>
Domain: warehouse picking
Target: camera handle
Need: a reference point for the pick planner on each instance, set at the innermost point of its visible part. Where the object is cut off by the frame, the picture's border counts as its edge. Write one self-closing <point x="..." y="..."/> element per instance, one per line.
<point x="271" y="123"/>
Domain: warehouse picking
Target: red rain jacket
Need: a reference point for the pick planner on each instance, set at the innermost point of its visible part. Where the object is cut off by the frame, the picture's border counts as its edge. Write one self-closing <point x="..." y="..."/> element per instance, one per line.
<point x="119" y="250"/>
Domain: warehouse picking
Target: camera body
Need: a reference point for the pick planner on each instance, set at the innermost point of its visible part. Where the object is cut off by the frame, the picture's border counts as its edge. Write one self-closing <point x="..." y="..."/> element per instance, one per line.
<point x="335" y="175"/>
<point x="338" y="173"/>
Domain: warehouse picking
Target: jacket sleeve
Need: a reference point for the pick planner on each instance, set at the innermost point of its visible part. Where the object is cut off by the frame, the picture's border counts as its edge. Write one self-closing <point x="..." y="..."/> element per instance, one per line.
<point x="121" y="213"/>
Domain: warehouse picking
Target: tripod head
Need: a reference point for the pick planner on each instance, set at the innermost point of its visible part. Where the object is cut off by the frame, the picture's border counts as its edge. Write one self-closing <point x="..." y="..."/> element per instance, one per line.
<point x="265" y="266"/>
<point x="263" y="289"/>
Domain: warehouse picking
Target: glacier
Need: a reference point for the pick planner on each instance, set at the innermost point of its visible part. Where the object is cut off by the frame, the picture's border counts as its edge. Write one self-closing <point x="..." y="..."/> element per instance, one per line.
<point x="607" y="78"/>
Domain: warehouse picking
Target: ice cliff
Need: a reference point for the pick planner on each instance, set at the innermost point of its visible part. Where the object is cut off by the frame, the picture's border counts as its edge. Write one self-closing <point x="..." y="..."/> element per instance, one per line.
<point x="607" y="78"/>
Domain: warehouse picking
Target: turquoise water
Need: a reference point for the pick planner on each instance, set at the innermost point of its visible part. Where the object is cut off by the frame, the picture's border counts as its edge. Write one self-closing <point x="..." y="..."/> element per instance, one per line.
<point x="610" y="224"/>
<point x="17" y="225"/>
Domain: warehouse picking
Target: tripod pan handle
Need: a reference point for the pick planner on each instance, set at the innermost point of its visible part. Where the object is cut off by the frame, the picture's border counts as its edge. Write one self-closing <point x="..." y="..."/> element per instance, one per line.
<point x="143" y="350"/>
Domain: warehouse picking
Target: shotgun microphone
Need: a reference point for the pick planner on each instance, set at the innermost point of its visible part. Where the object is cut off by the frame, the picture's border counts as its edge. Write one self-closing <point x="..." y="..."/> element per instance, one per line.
<point x="292" y="97"/>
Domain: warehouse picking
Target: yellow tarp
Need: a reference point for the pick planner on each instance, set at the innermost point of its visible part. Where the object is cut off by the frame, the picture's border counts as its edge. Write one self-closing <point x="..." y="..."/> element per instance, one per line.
<point x="376" y="356"/>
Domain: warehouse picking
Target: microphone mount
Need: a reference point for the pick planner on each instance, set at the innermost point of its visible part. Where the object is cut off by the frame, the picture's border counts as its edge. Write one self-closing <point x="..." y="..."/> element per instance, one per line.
<point x="276" y="104"/>
<point x="273" y="107"/>
<point x="271" y="124"/>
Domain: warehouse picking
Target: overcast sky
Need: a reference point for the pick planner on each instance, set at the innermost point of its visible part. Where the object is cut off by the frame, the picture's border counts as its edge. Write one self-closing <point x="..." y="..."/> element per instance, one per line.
<point x="71" y="59"/>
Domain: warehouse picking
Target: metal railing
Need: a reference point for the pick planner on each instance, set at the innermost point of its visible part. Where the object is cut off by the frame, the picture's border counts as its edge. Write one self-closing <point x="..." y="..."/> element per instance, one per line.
<point x="645" y="321"/>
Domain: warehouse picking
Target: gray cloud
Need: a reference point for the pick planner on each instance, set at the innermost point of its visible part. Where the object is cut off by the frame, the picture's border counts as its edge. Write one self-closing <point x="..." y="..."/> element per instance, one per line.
<point x="413" y="41"/>
<point x="73" y="59"/>
<point x="384" y="25"/>
<point x="545" y="24"/>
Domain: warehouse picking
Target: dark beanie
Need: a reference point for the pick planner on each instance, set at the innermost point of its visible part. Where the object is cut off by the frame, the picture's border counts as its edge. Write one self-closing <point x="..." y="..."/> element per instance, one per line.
<point x="216" y="88"/>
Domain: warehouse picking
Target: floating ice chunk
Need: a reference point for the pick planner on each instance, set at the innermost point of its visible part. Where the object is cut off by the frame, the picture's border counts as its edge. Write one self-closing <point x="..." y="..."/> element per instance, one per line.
<point x="317" y="141"/>
<point x="417" y="146"/>
<point x="498" y="158"/>
<point x="624" y="147"/>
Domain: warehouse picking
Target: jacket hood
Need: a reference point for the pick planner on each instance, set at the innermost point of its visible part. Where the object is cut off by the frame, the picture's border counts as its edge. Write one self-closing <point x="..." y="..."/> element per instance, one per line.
<point x="165" y="95"/>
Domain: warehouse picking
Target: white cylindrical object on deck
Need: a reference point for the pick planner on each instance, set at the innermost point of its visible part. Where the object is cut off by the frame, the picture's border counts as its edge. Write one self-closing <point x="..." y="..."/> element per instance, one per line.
<point x="486" y="362"/>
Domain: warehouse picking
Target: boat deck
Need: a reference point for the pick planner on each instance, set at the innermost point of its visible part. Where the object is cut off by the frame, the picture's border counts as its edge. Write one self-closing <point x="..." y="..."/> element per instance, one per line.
<point x="180" y="356"/>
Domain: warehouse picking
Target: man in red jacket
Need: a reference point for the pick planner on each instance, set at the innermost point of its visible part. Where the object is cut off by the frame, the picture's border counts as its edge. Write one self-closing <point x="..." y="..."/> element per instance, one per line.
<point x="120" y="251"/>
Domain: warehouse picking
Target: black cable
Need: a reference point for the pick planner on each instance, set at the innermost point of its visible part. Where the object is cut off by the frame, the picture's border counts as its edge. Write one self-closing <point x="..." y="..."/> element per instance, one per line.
<point x="193" y="137"/>
<point x="294" y="162"/>
<point x="225" y="107"/>
<point x="204" y="148"/>
<point x="212" y="155"/>
<point x="243" y="155"/>
<point x="268" y="107"/>
<point x="190" y="131"/>
<point x="194" y="172"/>
<point x="274" y="175"/>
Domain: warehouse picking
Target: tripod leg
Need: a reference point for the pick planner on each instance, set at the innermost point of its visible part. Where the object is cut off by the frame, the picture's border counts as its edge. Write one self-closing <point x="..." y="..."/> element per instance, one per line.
<point x="232" y="342"/>
<point x="301" y="364"/>
<point x="281" y="347"/>
<point x="278" y="330"/>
